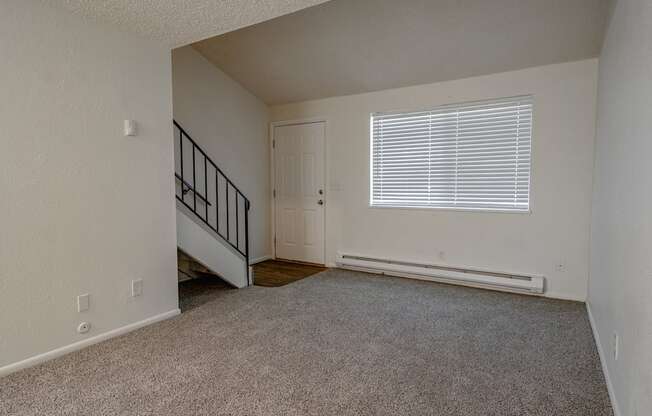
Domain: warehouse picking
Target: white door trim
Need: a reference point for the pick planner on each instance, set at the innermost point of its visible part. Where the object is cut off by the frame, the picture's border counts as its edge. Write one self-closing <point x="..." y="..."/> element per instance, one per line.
<point x="272" y="175"/>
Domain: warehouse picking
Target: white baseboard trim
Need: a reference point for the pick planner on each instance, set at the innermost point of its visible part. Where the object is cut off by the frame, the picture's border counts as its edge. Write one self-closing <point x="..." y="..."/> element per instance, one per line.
<point x="58" y="352"/>
<point x="603" y="361"/>
<point x="260" y="259"/>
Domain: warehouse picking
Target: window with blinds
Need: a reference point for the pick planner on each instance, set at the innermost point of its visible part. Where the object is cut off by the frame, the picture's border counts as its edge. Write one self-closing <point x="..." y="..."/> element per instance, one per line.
<point x="468" y="156"/>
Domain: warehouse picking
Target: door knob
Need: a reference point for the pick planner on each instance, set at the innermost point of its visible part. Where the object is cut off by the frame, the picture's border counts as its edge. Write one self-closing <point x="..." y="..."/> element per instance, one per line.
<point x="320" y="202"/>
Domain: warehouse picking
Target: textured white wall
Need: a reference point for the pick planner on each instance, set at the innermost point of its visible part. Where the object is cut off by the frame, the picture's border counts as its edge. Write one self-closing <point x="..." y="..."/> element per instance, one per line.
<point x="230" y="124"/>
<point x="556" y="231"/>
<point x="83" y="209"/>
<point x="621" y="265"/>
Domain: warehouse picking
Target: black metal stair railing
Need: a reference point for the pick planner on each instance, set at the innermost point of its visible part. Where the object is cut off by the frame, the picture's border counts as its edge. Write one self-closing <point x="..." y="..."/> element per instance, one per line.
<point x="199" y="185"/>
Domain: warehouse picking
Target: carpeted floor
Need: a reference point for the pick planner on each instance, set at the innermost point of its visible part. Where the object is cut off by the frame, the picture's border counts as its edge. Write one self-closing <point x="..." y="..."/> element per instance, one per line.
<point x="337" y="343"/>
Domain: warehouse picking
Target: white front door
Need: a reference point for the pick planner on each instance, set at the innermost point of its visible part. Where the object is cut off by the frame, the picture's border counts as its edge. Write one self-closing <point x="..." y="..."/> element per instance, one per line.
<point x="299" y="190"/>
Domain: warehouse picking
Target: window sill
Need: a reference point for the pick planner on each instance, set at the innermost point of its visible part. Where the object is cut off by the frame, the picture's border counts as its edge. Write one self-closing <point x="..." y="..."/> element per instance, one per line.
<point x="478" y="210"/>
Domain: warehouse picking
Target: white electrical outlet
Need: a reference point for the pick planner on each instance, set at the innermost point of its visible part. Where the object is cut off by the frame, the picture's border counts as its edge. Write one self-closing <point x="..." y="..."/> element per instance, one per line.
<point x="615" y="345"/>
<point x="136" y="287"/>
<point x="83" y="302"/>
<point x="560" y="267"/>
<point x="84" y="327"/>
<point x="130" y="128"/>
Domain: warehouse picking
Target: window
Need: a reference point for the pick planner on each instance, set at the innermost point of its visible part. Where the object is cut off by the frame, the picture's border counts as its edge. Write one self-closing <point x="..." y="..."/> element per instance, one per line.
<point x="469" y="156"/>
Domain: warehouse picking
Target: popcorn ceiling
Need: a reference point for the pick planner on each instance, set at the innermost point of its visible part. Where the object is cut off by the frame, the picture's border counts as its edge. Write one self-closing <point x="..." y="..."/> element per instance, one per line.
<point x="180" y="22"/>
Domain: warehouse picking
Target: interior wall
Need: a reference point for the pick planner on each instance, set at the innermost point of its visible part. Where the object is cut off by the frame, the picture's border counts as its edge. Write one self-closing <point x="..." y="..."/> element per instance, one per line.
<point x="83" y="208"/>
<point x="555" y="233"/>
<point x="231" y="125"/>
<point x="621" y="265"/>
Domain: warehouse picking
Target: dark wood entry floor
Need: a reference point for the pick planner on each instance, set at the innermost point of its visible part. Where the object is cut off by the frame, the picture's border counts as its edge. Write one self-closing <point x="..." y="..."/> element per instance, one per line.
<point x="273" y="273"/>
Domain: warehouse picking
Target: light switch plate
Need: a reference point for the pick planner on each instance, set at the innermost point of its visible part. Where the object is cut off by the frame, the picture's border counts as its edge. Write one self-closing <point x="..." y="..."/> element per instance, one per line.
<point x="83" y="302"/>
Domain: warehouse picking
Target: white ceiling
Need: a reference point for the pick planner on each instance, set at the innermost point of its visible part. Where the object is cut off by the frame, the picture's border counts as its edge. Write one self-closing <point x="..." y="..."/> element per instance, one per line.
<point x="351" y="46"/>
<point x="180" y="22"/>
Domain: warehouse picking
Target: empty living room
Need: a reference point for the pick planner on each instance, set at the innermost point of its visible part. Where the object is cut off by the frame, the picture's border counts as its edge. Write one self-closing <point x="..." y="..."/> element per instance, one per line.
<point x="326" y="207"/>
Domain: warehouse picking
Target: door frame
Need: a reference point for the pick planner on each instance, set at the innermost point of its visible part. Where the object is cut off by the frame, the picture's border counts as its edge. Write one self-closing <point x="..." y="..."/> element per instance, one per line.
<point x="272" y="152"/>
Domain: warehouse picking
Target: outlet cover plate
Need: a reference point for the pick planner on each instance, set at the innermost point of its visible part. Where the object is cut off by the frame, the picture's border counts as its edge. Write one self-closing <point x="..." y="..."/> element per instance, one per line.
<point x="616" y="345"/>
<point x="83" y="302"/>
<point x="136" y="287"/>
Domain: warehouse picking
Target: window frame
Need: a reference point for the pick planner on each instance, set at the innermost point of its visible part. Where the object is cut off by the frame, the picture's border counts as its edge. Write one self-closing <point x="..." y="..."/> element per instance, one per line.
<point x="527" y="211"/>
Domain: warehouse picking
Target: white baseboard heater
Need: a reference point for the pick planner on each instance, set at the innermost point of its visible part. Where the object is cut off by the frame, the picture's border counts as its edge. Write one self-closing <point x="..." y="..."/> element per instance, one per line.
<point x="468" y="276"/>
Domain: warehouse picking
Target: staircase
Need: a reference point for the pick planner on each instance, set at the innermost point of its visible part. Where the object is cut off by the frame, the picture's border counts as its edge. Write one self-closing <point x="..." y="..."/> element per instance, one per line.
<point x="212" y="213"/>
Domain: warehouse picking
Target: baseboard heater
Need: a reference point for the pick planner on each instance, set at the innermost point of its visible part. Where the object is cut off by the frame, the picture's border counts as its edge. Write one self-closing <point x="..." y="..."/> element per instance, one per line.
<point x="468" y="276"/>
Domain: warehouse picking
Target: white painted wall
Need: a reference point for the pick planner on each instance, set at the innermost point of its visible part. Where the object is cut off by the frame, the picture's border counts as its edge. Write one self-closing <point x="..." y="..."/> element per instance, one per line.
<point x="83" y="209"/>
<point x="621" y="264"/>
<point x="556" y="231"/>
<point x="230" y="124"/>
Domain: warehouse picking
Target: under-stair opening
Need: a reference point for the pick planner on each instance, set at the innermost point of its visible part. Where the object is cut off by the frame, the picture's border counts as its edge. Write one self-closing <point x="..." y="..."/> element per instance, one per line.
<point x="212" y="213"/>
<point x="197" y="283"/>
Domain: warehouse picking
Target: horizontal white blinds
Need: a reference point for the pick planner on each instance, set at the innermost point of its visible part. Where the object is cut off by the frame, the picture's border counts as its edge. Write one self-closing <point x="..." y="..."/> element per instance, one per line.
<point x="462" y="156"/>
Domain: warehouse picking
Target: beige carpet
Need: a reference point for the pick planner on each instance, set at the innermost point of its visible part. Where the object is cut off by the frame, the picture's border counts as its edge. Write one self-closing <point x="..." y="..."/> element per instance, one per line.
<point x="337" y="343"/>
